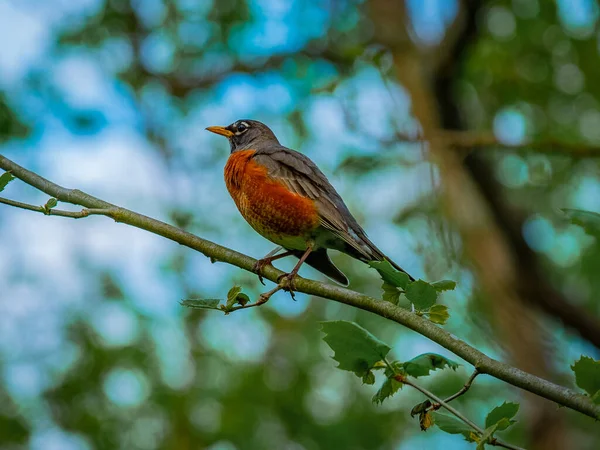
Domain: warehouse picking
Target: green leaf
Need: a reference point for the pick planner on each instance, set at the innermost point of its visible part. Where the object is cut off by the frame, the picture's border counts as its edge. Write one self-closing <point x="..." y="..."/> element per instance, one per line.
<point x="242" y="299"/>
<point x="387" y="389"/>
<point x="420" y="408"/>
<point x="390" y="293"/>
<point x="421" y="365"/>
<point x="589" y="221"/>
<point x="439" y="314"/>
<point x="444" y="285"/>
<point x="368" y="378"/>
<point x="421" y="294"/>
<point x="201" y="303"/>
<point x="51" y="203"/>
<point x="355" y="348"/>
<point x="587" y="374"/>
<point x="452" y="425"/>
<point x="5" y="178"/>
<point x="486" y="436"/>
<point x="389" y="274"/>
<point x="233" y="293"/>
<point x="501" y="416"/>
<point x="235" y="296"/>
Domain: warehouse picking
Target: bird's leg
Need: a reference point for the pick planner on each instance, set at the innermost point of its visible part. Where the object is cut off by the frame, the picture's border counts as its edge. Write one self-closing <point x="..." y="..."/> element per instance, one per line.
<point x="267" y="260"/>
<point x="289" y="277"/>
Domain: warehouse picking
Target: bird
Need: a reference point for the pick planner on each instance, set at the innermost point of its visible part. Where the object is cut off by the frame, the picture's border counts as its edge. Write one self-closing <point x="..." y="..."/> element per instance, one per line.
<point x="287" y="199"/>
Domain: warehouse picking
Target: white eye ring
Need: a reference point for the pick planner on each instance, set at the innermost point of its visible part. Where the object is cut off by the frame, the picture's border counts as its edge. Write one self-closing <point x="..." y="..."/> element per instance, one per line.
<point x="241" y="127"/>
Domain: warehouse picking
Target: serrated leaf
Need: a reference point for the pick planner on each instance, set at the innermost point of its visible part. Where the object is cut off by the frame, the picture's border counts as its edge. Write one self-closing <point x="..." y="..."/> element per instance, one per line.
<point x="389" y="274"/>
<point x="390" y="293"/>
<point x="452" y="425"/>
<point x="387" y="389"/>
<point x="421" y="365"/>
<point x="439" y="314"/>
<point x="421" y="294"/>
<point x="444" y="285"/>
<point x="5" y="178"/>
<point x="588" y="220"/>
<point x="356" y="350"/>
<point x="201" y="303"/>
<point x="587" y="374"/>
<point x="502" y="415"/>
<point x="368" y="378"/>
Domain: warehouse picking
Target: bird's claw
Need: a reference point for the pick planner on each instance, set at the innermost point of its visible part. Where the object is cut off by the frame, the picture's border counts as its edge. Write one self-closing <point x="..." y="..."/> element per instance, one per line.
<point x="286" y="281"/>
<point x="258" y="267"/>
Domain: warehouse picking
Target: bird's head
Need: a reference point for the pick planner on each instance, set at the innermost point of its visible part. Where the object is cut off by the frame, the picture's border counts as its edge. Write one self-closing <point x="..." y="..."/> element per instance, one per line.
<point x="246" y="134"/>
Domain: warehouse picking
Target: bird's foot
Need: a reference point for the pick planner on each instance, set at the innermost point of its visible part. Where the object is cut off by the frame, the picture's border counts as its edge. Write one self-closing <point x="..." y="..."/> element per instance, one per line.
<point x="287" y="283"/>
<point x="284" y="282"/>
<point x="258" y="267"/>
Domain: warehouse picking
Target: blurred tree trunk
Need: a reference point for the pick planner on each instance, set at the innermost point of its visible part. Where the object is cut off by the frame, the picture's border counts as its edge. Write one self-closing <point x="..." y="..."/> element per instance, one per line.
<point x="496" y="263"/>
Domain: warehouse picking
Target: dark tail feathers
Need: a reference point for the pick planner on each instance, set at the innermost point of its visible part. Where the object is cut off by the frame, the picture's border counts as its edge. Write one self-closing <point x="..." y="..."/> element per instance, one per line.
<point x="319" y="259"/>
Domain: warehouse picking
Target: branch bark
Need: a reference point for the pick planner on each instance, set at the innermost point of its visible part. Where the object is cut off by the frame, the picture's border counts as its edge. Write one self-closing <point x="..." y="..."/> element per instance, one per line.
<point x="474" y="140"/>
<point x="479" y="360"/>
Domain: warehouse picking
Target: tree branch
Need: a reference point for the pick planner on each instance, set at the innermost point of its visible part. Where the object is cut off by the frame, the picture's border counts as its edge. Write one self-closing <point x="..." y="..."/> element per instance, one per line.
<point x="57" y="212"/>
<point x="482" y="362"/>
<point x="472" y="140"/>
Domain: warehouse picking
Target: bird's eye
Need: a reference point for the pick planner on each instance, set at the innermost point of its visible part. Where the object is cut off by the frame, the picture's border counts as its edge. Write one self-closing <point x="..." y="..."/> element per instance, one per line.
<point x="242" y="127"/>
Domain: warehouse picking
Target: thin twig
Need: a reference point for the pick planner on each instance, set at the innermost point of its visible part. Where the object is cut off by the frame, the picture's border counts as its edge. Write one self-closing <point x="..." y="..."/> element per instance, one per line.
<point x="436" y="399"/>
<point x="262" y="299"/>
<point x="484" y="363"/>
<point x="464" y="389"/>
<point x="401" y="378"/>
<point x="455" y="412"/>
<point x="284" y="283"/>
<point x="58" y="212"/>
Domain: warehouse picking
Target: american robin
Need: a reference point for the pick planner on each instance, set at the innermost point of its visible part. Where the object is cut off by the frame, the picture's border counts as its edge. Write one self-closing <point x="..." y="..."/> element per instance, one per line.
<point x="284" y="196"/>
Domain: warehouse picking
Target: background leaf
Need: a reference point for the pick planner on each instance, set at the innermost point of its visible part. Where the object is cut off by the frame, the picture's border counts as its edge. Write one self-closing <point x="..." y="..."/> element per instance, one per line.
<point x="355" y="348"/>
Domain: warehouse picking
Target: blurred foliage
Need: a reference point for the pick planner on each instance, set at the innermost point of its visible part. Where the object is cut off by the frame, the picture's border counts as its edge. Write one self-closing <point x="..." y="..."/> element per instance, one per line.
<point x="313" y="72"/>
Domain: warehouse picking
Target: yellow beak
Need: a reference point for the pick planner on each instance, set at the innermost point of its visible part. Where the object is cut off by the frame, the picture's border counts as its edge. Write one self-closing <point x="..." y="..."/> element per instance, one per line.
<point x="220" y="130"/>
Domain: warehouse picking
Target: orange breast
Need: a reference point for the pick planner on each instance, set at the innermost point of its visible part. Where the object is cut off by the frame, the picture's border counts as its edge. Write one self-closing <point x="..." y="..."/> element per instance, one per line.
<point x="268" y="206"/>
